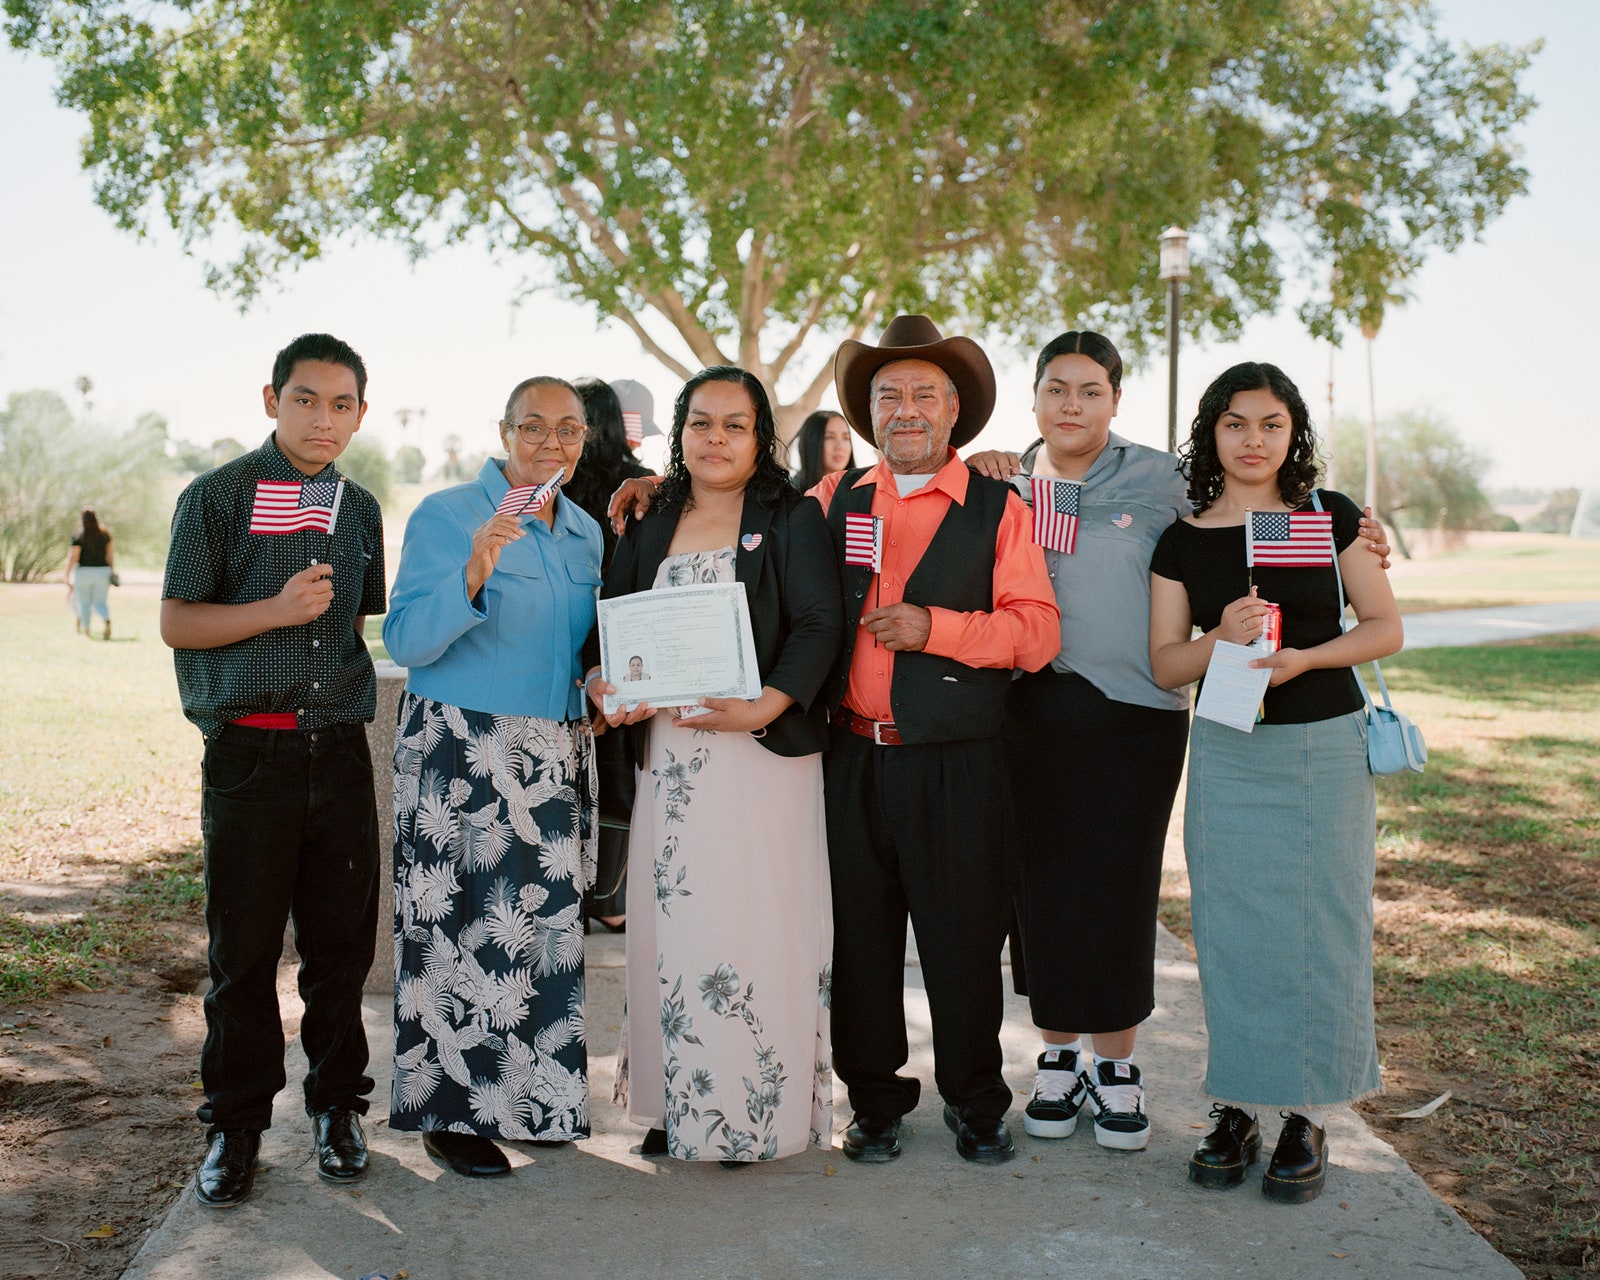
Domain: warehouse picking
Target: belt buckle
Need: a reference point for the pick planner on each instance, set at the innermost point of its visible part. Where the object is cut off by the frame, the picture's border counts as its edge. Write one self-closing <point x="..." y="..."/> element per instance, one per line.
<point x="877" y="733"/>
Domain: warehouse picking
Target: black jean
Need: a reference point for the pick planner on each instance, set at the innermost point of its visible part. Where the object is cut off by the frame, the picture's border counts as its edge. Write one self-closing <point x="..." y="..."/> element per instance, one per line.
<point x="291" y="832"/>
<point x="920" y="832"/>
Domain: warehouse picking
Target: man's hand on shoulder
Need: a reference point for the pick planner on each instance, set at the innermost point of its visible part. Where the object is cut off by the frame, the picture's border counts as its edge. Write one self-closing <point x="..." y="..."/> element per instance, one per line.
<point x="997" y="464"/>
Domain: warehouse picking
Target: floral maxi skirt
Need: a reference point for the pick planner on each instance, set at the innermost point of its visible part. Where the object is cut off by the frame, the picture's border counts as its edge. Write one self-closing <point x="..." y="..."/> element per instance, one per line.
<point x="730" y="945"/>
<point x="495" y="830"/>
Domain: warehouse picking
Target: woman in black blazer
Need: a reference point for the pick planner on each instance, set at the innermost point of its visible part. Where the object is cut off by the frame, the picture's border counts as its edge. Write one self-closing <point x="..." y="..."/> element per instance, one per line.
<point x="730" y="932"/>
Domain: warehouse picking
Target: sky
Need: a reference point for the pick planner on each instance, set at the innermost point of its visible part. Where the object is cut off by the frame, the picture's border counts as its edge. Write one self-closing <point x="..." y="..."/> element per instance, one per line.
<point x="1492" y="338"/>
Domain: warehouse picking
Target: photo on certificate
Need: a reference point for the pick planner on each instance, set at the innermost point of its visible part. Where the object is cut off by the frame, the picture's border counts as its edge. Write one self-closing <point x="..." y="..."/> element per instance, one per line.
<point x="672" y="646"/>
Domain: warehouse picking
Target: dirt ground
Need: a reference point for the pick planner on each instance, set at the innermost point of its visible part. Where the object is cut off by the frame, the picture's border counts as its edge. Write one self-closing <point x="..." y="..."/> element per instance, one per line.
<point x="97" y="1097"/>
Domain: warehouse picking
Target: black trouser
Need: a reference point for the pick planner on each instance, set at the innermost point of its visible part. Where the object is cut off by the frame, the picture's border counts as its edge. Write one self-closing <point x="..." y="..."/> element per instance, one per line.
<point x="921" y="831"/>
<point x="291" y="831"/>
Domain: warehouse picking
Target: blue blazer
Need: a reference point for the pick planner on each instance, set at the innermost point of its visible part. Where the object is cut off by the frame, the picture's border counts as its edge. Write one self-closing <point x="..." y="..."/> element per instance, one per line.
<point x="515" y="648"/>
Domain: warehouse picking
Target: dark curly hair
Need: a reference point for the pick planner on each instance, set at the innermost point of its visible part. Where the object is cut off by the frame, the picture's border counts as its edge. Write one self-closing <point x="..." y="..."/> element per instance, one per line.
<point x="771" y="478"/>
<point x="1298" y="473"/>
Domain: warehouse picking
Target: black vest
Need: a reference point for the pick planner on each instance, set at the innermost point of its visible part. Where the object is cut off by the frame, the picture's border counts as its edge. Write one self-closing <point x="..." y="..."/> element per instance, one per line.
<point x="934" y="699"/>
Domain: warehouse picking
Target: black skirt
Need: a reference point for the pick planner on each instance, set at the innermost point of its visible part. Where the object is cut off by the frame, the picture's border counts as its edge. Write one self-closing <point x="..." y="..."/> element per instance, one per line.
<point x="1093" y="782"/>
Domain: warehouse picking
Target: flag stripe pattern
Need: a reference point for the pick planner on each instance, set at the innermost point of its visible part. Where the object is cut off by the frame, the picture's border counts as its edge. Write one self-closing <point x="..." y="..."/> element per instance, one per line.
<point x="527" y="499"/>
<point x="1289" y="539"/>
<point x="633" y="427"/>
<point x="290" y="506"/>
<point x="863" y="540"/>
<point x="1055" y="513"/>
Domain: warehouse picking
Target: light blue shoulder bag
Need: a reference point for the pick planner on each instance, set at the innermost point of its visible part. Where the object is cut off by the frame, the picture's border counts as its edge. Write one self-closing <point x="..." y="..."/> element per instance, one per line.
<point x="1394" y="744"/>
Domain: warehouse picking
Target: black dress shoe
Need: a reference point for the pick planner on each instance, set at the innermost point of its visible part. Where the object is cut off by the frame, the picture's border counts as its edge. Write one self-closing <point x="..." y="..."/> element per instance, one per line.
<point x="229" y="1169"/>
<point x="980" y="1139"/>
<point x="1299" y="1165"/>
<point x="654" y="1144"/>
<point x="1227" y="1151"/>
<point x="341" y="1146"/>
<point x="872" y="1139"/>
<point x="466" y="1153"/>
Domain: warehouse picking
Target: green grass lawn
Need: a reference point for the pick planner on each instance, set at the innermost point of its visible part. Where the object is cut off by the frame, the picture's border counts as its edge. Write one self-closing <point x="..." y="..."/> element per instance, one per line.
<point x="1497" y="569"/>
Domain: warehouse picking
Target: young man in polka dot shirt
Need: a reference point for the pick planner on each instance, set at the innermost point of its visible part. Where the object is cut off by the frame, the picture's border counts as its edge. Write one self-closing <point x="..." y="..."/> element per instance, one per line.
<point x="276" y="561"/>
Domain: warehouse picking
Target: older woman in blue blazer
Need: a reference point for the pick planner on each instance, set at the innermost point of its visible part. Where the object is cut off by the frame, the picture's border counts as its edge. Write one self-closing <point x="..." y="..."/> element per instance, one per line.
<point x="494" y="797"/>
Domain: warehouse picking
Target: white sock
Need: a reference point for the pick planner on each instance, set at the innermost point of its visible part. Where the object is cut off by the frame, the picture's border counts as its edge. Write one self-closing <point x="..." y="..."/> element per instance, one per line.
<point x="1075" y="1047"/>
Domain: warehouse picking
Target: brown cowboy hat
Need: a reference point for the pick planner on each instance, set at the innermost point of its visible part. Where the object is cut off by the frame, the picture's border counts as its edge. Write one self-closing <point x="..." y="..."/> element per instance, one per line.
<point x="916" y="338"/>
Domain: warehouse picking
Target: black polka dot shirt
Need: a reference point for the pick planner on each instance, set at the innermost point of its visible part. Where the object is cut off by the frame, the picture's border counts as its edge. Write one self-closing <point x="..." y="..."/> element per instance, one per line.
<point x="320" y="670"/>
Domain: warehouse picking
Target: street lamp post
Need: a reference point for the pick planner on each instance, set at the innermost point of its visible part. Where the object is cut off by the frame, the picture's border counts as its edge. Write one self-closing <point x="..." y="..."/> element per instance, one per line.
<point x="1174" y="270"/>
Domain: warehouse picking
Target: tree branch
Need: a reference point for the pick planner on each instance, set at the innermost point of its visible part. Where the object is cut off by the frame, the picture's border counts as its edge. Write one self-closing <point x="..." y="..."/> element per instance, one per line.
<point x="653" y="347"/>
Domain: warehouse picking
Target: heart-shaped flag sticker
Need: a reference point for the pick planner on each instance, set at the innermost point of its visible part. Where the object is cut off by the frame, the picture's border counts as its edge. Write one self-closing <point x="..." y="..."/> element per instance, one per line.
<point x="750" y="541"/>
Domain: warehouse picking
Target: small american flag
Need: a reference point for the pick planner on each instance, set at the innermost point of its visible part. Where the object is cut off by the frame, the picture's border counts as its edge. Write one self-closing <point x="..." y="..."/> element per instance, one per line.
<point x="1288" y="539"/>
<point x="289" y="506"/>
<point x="633" y="427"/>
<point x="526" y="499"/>
<point x="863" y="541"/>
<point x="1055" y="513"/>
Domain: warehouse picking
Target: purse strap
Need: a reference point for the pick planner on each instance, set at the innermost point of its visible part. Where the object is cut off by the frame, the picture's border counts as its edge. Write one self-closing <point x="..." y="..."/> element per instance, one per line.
<point x="1338" y="578"/>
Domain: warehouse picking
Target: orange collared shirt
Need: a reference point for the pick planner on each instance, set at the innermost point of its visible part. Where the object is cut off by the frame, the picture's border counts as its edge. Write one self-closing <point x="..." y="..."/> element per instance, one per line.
<point x="1024" y="628"/>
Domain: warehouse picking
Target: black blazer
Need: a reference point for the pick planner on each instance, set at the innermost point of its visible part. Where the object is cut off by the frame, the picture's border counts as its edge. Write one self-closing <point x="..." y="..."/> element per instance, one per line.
<point x="791" y="582"/>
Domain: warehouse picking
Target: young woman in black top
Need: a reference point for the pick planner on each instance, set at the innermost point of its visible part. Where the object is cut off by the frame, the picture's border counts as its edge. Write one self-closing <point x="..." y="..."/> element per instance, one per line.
<point x="89" y="570"/>
<point x="1279" y="822"/>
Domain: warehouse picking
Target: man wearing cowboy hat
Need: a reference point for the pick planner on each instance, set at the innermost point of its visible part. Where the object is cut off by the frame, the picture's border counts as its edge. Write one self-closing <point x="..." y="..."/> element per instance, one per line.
<point x="945" y="593"/>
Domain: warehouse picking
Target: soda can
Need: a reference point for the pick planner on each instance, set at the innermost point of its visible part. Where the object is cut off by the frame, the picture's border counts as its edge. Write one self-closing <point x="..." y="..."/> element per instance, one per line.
<point x="1271" y="638"/>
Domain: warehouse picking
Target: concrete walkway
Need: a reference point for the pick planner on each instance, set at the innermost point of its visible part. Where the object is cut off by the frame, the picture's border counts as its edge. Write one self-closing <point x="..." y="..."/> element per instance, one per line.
<point x="1506" y="622"/>
<point x="1061" y="1208"/>
<point x="597" y="1209"/>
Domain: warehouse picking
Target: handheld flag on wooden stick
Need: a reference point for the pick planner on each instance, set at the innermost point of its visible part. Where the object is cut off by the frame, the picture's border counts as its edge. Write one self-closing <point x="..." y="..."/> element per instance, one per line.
<point x="289" y="506"/>
<point x="528" y="499"/>
<point x="1288" y="539"/>
<point x="863" y="541"/>
<point x="1055" y="513"/>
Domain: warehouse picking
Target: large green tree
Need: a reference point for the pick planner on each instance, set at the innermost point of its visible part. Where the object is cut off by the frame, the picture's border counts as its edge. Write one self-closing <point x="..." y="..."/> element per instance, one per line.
<point x="731" y="178"/>
<point x="1429" y="477"/>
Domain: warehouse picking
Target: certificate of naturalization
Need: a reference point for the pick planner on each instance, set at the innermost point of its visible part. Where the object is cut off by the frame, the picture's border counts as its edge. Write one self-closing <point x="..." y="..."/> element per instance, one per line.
<point x="1233" y="689"/>
<point x="673" y="646"/>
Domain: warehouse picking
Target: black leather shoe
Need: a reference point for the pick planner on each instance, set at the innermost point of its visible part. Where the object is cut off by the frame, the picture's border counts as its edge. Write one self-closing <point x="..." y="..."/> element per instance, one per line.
<point x="654" y="1144"/>
<point x="1299" y="1165"/>
<point x="341" y="1146"/>
<point x="466" y="1153"/>
<point x="981" y="1140"/>
<point x="872" y="1139"/>
<point x="229" y="1169"/>
<point x="1227" y="1151"/>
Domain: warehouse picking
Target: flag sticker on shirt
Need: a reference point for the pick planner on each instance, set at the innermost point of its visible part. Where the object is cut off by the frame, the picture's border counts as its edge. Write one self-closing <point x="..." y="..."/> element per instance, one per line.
<point x="1288" y="539"/>
<point x="1055" y="513"/>
<point x="526" y="499"/>
<point x="1122" y="520"/>
<point x="863" y="541"/>
<point x="633" y="427"/>
<point x="290" y="506"/>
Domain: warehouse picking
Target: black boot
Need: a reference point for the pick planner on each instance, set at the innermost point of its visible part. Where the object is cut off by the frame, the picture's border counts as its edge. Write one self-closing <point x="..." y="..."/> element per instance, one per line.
<point x="1227" y="1151"/>
<point x="229" y="1169"/>
<point x="1299" y="1164"/>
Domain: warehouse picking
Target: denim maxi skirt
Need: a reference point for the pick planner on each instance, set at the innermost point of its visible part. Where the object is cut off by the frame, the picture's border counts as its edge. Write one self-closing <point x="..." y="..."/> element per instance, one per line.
<point x="1280" y="836"/>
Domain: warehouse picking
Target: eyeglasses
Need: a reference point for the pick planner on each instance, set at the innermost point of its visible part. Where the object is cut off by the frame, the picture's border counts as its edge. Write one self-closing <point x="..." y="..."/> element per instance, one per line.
<point x="536" y="433"/>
